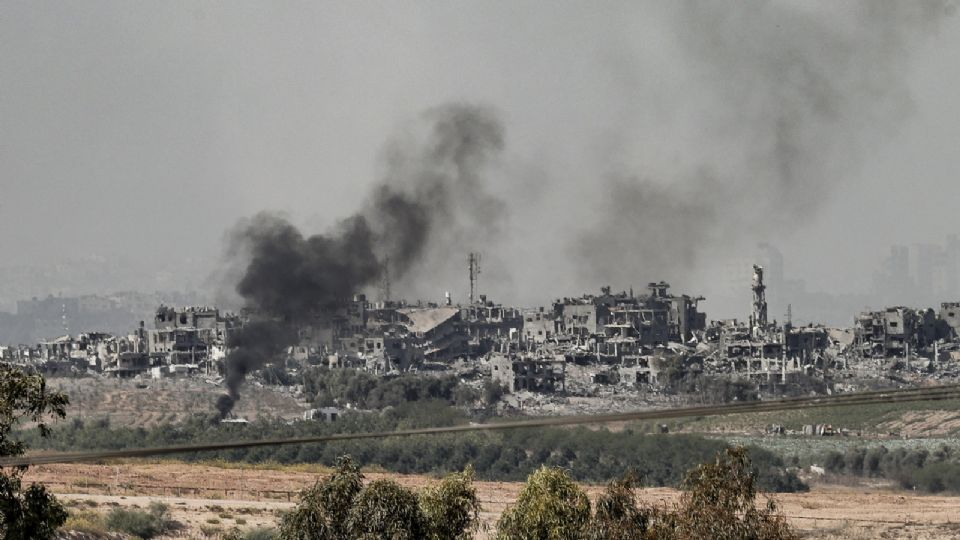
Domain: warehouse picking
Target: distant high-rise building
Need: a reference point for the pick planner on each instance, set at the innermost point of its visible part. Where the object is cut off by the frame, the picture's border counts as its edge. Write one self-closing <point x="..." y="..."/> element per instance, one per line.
<point x="922" y="274"/>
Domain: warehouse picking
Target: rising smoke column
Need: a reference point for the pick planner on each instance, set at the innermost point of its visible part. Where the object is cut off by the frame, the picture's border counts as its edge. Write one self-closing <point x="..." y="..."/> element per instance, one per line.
<point x="434" y="194"/>
<point x="789" y="97"/>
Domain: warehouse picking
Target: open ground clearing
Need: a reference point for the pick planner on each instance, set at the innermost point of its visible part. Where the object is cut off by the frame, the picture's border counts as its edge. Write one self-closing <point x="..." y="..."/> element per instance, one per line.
<point x="211" y="497"/>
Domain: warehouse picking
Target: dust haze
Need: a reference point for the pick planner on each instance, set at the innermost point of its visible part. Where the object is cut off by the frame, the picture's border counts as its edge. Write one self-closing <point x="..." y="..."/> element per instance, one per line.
<point x="573" y="147"/>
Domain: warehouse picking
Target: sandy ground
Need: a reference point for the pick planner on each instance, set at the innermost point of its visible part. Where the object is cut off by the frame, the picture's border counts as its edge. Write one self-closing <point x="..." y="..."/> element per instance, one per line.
<point x="212" y="498"/>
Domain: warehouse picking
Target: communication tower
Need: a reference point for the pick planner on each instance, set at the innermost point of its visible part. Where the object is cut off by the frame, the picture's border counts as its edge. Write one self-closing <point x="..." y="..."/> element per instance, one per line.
<point x="473" y="262"/>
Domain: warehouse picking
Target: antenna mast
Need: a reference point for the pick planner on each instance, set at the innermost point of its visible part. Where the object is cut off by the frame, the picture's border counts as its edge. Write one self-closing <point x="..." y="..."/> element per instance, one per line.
<point x="473" y="261"/>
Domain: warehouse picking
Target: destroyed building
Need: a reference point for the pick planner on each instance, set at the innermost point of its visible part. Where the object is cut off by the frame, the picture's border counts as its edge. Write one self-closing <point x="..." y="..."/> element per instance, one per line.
<point x="950" y="320"/>
<point x="539" y="326"/>
<point x="189" y="339"/>
<point x="618" y="340"/>
<point x="387" y="335"/>
<point x="487" y="323"/>
<point x="437" y="331"/>
<point x="638" y="370"/>
<point x="652" y="319"/>
<point x="528" y="373"/>
<point x="895" y="331"/>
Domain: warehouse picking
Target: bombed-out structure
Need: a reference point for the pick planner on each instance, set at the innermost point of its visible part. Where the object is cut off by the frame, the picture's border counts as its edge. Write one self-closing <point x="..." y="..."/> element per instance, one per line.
<point x="634" y="342"/>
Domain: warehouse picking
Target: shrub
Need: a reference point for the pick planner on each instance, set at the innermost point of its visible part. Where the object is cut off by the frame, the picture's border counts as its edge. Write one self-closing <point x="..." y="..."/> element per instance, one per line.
<point x="550" y="506"/>
<point x="719" y="502"/>
<point x="385" y="509"/>
<point x="210" y="531"/>
<point x="618" y="517"/>
<point x="87" y="522"/>
<point x="145" y="524"/>
<point x="135" y="522"/>
<point x="451" y="508"/>
<point x="323" y="509"/>
<point x="260" y="533"/>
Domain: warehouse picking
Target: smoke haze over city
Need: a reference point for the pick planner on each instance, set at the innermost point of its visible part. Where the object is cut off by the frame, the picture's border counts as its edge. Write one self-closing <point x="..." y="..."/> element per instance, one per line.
<point x="625" y="143"/>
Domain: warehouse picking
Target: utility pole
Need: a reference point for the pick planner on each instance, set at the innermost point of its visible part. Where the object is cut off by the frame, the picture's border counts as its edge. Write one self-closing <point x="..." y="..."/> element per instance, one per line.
<point x="473" y="262"/>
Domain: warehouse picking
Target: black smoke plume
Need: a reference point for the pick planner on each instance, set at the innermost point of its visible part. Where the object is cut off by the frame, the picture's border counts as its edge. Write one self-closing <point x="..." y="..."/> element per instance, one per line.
<point x="433" y="195"/>
<point x="788" y="99"/>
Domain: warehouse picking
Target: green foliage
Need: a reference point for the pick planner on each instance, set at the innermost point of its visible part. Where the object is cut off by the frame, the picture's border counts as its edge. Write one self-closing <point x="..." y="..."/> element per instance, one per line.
<point x="719" y="502"/>
<point x="551" y="506"/>
<point x="86" y="521"/>
<point x="385" y="509"/>
<point x="590" y="455"/>
<point x="24" y="397"/>
<point x="324" y="508"/>
<point x="340" y="507"/>
<point x="618" y="515"/>
<point x="140" y="523"/>
<point x="28" y="514"/>
<point x="451" y="508"/>
<point x="932" y="472"/>
<point x="31" y="512"/>
<point x="325" y="387"/>
<point x="260" y="533"/>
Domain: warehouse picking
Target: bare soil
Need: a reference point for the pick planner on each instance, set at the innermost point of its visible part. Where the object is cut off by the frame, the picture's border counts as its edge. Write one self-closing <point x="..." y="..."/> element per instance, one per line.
<point x="208" y="498"/>
<point x="924" y="424"/>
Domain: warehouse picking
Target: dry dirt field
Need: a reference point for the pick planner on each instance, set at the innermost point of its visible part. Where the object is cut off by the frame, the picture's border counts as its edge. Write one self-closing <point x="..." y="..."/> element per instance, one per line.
<point x="211" y="497"/>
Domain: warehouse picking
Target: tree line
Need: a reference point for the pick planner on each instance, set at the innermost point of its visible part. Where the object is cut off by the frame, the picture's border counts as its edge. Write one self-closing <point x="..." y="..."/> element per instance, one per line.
<point x="719" y="501"/>
<point x="593" y="455"/>
<point x="344" y="387"/>
<point x="930" y="471"/>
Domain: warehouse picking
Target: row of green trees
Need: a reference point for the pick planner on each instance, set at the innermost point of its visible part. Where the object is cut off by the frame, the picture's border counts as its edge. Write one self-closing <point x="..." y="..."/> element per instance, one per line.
<point x="341" y="387"/>
<point x="594" y="455"/>
<point x="930" y="471"/>
<point x="719" y="501"/>
<point x="341" y="507"/>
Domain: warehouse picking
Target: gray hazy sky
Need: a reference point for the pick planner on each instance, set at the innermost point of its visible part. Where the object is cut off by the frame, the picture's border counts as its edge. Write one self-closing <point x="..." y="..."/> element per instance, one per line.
<point x="147" y="129"/>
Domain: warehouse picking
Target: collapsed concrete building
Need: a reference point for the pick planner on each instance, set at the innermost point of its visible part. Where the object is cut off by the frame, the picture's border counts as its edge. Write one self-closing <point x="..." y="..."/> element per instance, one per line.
<point x="539" y="326"/>
<point x="189" y="339"/>
<point x="950" y="320"/>
<point x="896" y="331"/>
<point x="652" y="319"/>
<point x="528" y="373"/>
<point x="487" y="324"/>
<point x="612" y="340"/>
